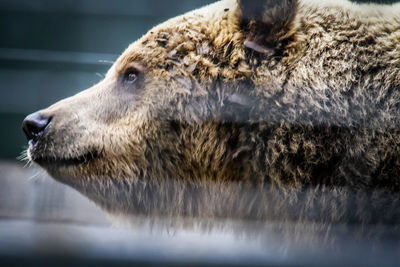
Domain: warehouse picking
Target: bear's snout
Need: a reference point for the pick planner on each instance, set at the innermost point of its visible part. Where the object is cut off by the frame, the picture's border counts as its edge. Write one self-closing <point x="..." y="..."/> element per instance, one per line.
<point x="34" y="125"/>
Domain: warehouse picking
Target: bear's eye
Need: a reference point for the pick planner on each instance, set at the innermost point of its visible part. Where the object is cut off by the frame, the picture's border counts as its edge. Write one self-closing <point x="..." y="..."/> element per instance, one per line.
<point x="131" y="76"/>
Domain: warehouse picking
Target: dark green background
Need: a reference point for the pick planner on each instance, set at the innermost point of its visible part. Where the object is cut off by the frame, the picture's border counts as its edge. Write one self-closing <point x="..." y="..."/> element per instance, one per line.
<point x="50" y="49"/>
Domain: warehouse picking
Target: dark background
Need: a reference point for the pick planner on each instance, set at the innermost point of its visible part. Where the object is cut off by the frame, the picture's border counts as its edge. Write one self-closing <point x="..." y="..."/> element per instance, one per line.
<point x="52" y="49"/>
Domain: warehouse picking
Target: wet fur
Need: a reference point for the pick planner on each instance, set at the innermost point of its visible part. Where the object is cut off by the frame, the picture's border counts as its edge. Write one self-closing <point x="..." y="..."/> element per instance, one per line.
<point x="229" y="95"/>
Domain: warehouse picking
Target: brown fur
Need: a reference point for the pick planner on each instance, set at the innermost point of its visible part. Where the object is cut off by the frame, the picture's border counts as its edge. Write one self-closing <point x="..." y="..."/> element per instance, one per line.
<point x="287" y="92"/>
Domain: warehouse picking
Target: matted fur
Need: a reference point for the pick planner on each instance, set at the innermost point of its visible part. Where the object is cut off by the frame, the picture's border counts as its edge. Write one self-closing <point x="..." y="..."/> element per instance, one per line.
<point x="301" y="93"/>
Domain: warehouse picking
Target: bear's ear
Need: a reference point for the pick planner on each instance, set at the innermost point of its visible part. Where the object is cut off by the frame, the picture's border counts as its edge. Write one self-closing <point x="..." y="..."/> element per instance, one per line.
<point x="267" y="23"/>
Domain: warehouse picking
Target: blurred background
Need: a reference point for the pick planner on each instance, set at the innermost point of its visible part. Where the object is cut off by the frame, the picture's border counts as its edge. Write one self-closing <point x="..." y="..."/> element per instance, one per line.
<point x="53" y="49"/>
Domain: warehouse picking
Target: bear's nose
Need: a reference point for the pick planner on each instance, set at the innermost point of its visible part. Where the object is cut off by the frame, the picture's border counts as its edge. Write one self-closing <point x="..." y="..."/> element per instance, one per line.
<point x="34" y="124"/>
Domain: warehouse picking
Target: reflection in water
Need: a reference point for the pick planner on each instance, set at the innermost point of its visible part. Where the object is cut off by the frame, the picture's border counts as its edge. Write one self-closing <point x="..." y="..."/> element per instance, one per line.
<point x="314" y="216"/>
<point x="235" y="222"/>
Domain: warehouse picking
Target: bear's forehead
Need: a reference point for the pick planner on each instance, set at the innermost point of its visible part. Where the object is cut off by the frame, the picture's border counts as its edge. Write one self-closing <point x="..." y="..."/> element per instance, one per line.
<point x="182" y="32"/>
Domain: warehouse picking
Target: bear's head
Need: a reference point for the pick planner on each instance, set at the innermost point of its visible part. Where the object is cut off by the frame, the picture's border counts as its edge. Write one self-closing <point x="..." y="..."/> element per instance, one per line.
<point x="167" y="105"/>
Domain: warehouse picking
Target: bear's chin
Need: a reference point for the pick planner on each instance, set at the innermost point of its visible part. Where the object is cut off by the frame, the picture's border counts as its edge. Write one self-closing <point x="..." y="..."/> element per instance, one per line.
<point x="63" y="166"/>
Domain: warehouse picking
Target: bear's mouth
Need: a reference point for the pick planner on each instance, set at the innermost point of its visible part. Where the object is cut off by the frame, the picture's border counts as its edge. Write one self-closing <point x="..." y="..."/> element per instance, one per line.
<point x="46" y="161"/>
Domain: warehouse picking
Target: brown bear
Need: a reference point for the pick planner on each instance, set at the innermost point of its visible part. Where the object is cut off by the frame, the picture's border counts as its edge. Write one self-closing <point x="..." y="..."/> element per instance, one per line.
<point x="291" y="92"/>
